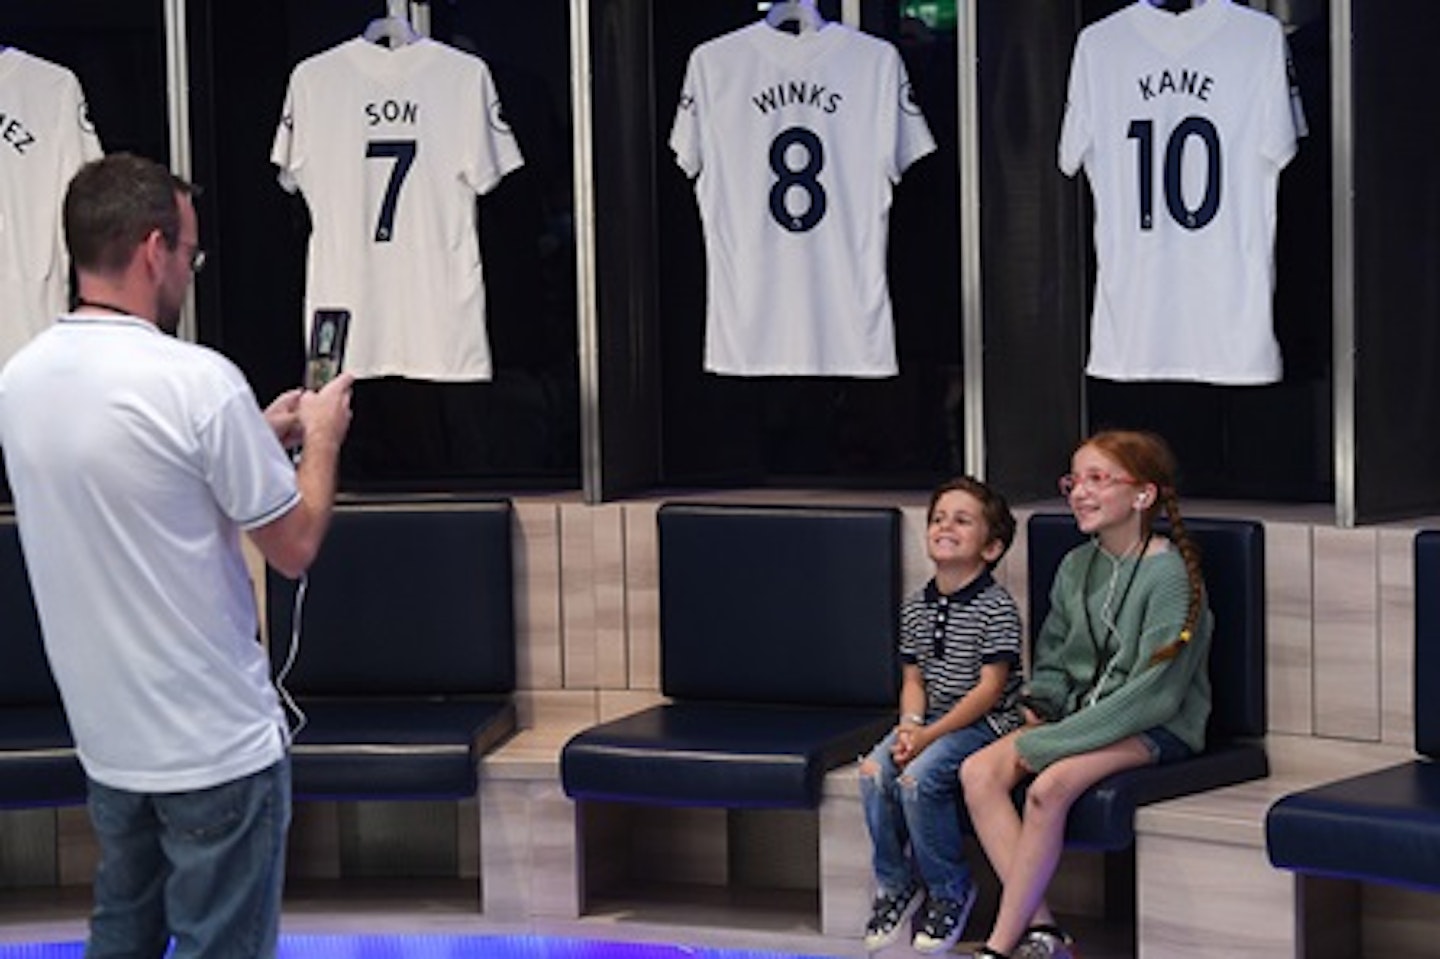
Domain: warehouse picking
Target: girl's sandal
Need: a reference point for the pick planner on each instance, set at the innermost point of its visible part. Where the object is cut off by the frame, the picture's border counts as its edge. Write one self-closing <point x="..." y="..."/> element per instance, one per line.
<point x="1046" y="941"/>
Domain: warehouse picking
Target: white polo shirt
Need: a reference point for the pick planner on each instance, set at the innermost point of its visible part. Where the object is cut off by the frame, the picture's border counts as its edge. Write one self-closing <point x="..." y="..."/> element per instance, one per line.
<point x="136" y="459"/>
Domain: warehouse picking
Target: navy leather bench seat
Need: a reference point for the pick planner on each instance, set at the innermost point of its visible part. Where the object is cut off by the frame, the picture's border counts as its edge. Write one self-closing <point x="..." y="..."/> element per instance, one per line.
<point x="38" y="766"/>
<point x="1233" y="561"/>
<point x="777" y="643"/>
<point x="1382" y="826"/>
<point x="406" y="666"/>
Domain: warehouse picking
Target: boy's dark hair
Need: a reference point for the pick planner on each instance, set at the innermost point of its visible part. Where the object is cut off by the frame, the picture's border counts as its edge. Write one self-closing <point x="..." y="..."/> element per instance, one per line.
<point x="111" y="206"/>
<point x="999" y="521"/>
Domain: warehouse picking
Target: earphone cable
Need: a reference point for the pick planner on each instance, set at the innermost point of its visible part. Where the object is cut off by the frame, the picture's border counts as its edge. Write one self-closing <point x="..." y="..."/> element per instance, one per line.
<point x="290" y="655"/>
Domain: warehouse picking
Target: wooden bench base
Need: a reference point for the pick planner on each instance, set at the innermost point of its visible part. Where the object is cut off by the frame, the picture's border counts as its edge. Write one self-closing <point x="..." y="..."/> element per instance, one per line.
<point x="544" y="856"/>
<point x="1206" y="888"/>
<point x="529" y="834"/>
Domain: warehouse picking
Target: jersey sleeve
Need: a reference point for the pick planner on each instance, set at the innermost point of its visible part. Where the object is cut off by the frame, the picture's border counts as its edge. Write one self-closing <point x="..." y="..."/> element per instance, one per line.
<point x="1283" y="117"/>
<point x="287" y="152"/>
<point x="913" y="139"/>
<point x="496" y="151"/>
<point x="685" y="133"/>
<point x="1076" y="134"/>
<point x="1297" y="103"/>
<point x="86" y="140"/>
<point x="78" y="143"/>
<point x="252" y="479"/>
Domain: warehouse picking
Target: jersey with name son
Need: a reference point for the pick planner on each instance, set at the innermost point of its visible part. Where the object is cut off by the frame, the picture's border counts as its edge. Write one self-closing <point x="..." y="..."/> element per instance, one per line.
<point x="390" y="149"/>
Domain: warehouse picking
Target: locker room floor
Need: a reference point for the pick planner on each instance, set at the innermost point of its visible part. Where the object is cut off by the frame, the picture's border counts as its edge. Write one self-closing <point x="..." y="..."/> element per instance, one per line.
<point x="414" y="919"/>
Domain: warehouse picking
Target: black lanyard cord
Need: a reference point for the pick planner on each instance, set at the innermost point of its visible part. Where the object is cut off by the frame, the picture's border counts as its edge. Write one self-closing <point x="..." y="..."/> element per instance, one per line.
<point x="107" y="307"/>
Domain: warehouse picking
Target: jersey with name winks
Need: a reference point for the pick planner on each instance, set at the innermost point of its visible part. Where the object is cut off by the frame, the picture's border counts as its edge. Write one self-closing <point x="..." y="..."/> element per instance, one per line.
<point x="795" y="143"/>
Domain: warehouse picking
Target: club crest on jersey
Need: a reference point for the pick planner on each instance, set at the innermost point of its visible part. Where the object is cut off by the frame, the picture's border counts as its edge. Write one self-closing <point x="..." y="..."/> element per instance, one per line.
<point x="497" y="117"/>
<point x="392" y="111"/>
<point x="907" y="100"/>
<point x="797" y="93"/>
<point x="1178" y="82"/>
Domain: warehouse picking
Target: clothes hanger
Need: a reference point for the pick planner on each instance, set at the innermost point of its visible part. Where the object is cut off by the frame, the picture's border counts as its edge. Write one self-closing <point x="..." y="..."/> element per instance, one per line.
<point x="802" y="13"/>
<point x="396" y="31"/>
<point x="395" y="27"/>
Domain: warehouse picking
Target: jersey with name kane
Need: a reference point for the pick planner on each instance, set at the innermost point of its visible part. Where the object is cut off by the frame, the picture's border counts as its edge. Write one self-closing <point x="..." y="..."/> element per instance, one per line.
<point x="795" y="143"/>
<point x="389" y="149"/>
<point x="45" y="136"/>
<point x="1182" y="123"/>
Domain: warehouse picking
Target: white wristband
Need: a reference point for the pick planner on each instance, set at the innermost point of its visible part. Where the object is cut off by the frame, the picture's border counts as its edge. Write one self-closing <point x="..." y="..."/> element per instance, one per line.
<point x="915" y="718"/>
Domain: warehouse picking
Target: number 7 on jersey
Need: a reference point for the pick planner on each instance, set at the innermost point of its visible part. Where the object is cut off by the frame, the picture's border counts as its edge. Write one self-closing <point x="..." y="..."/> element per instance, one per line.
<point x="403" y="153"/>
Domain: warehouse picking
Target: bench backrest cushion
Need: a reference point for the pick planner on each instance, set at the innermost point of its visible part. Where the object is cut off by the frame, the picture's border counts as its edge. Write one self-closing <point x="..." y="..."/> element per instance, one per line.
<point x="403" y="601"/>
<point x="25" y="678"/>
<point x="786" y="605"/>
<point x="1233" y="560"/>
<point x="1427" y="643"/>
<point x="37" y="756"/>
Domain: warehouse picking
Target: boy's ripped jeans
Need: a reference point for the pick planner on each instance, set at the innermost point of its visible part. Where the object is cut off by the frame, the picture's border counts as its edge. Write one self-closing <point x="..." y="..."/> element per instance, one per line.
<point x="916" y="807"/>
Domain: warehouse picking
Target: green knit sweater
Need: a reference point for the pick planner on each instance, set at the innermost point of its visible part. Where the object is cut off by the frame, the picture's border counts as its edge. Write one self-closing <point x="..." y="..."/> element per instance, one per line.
<point x="1133" y="695"/>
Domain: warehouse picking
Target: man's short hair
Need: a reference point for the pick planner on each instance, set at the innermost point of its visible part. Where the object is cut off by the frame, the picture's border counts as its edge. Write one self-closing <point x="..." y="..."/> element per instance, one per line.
<point x="113" y="204"/>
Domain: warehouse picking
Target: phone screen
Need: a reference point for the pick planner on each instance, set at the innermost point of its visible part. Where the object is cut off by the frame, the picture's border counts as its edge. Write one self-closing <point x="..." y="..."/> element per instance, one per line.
<point x="326" y="355"/>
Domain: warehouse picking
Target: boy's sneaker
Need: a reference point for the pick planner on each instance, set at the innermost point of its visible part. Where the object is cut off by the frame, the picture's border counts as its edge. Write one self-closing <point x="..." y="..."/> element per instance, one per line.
<point x="1046" y="942"/>
<point x="890" y="914"/>
<point x="944" y="922"/>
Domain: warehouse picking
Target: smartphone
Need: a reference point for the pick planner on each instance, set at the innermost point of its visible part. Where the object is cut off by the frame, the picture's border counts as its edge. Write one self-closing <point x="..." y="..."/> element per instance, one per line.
<point x="326" y="354"/>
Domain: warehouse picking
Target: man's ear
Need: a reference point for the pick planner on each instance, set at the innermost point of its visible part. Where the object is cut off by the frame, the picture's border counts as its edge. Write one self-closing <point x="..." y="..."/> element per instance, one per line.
<point x="154" y="249"/>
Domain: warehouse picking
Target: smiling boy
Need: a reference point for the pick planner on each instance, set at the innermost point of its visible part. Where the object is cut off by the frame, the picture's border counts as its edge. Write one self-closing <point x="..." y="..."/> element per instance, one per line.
<point x="960" y="656"/>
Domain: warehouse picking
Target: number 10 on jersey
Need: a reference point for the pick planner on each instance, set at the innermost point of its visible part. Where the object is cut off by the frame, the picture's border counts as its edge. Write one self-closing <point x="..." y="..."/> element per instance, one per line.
<point x="1198" y="128"/>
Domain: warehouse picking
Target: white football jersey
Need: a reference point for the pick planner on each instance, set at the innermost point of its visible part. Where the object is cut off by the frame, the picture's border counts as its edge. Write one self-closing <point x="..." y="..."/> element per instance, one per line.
<point x="1182" y="123"/>
<point x="795" y="143"/>
<point x="45" y="136"/>
<point x="390" y="148"/>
